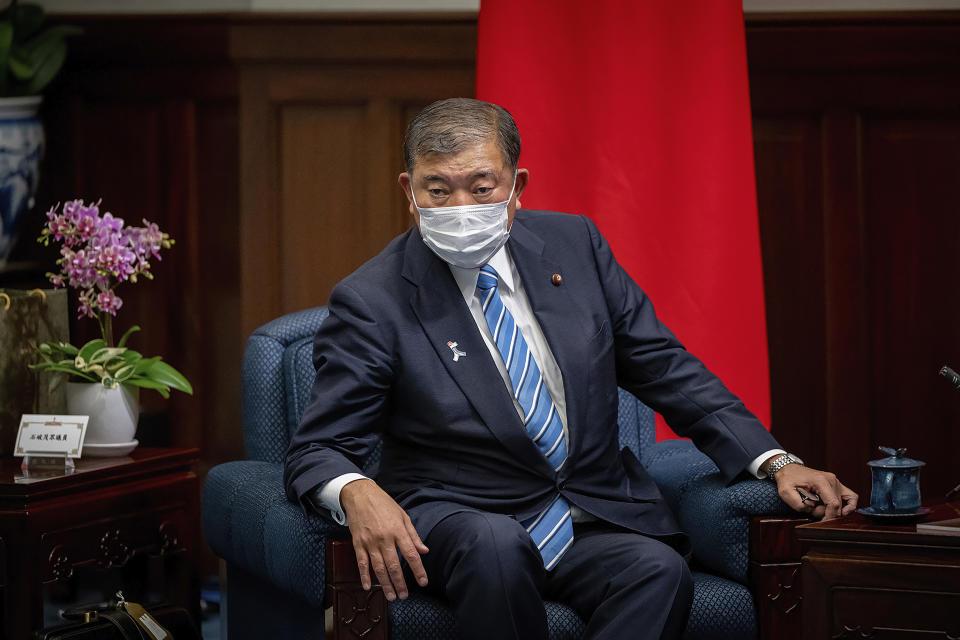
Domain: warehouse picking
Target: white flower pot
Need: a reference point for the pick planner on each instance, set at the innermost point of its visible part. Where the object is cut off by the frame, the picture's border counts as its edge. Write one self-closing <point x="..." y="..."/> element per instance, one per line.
<point x="21" y="150"/>
<point x="113" y="417"/>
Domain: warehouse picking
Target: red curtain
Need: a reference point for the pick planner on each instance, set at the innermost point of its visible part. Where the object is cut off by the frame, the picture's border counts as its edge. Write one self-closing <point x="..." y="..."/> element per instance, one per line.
<point x="637" y="114"/>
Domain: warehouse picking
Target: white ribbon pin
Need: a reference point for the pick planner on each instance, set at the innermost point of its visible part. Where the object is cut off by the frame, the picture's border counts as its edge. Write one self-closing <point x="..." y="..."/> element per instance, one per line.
<point x="456" y="352"/>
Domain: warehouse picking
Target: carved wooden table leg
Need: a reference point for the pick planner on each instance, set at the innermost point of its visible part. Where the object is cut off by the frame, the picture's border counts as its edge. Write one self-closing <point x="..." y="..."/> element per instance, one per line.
<point x="775" y="576"/>
<point x="356" y="613"/>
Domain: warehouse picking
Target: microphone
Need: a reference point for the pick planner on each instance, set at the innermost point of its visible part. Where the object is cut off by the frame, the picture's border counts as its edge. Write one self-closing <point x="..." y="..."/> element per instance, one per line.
<point x="951" y="375"/>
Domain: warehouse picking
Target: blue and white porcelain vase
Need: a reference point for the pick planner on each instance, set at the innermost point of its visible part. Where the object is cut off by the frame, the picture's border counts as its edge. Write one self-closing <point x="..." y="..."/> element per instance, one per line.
<point x="21" y="149"/>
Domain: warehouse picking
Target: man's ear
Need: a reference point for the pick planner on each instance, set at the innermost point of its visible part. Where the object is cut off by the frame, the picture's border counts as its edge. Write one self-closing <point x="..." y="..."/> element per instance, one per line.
<point x="404" y="181"/>
<point x="523" y="180"/>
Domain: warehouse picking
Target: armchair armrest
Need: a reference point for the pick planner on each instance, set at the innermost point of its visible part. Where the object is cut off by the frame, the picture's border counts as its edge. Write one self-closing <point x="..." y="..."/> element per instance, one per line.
<point x="714" y="515"/>
<point x="249" y="522"/>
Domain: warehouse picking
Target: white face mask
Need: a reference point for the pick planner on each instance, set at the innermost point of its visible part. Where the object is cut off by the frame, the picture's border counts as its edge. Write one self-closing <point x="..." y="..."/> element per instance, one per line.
<point x="465" y="236"/>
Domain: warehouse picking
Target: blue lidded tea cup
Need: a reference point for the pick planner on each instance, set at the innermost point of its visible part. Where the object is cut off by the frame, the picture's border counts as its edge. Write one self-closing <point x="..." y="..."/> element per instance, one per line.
<point x="896" y="482"/>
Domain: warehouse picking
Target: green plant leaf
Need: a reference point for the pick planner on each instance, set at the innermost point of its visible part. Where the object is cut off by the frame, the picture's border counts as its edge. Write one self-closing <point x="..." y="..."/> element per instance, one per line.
<point x="66" y="348"/>
<point x="126" y="336"/>
<point x="146" y="383"/>
<point x="87" y="350"/>
<point x="106" y="354"/>
<point x="47" y="68"/>
<point x="21" y="66"/>
<point x="124" y="372"/>
<point x="61" y="368"/>
<point x="163" y="373"/>
<point x="145" y="363"/>
<point x="130" y="358"/>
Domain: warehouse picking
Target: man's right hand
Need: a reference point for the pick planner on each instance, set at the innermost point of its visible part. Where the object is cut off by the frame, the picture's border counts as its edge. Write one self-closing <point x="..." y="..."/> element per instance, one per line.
<point x="380" y="527"/>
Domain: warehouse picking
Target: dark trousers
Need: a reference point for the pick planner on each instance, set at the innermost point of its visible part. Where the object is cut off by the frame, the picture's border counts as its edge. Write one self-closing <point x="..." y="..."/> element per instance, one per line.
<point x="623" y="584"/>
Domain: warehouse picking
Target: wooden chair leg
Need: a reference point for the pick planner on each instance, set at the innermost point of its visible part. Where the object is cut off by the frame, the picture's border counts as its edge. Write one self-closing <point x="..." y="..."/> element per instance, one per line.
<point x="775" y="556"/>
<point x="356" y="613"/>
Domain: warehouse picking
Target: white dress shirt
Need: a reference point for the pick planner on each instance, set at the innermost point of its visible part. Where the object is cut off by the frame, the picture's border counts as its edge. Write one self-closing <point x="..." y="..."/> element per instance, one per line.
<point x="515" y="300"/>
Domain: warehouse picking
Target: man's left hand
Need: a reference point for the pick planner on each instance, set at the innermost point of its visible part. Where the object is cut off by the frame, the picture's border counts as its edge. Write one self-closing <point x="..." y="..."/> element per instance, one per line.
<point x="837" y="500"/>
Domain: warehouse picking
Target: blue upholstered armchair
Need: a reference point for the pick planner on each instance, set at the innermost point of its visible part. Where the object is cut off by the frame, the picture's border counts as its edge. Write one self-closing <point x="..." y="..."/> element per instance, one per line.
<point x="281" y="567"/>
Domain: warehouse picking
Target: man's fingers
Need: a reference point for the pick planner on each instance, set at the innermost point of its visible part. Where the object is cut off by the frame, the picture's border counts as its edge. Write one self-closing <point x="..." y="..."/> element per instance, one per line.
<point x="363" y="565"/>
<point x="828" y="494"/>
<point x="380" y="569"/>
<point x="379" y="527"/>
<point x="394" y="572"/>
<point x="412" y="557"/>
<point x="793" y="499"/>
<point x="849" y="500"/>
<point x="800" y="486"/>
<point x="415" y="537"/>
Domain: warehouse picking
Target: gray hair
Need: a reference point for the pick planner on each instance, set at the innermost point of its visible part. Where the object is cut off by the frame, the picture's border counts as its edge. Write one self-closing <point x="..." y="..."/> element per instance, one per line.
<point x="451" y="125"/>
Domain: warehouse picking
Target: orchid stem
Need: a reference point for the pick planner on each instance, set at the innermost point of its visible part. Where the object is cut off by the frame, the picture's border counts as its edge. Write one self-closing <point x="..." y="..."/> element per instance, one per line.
<point x="106" y="327"/>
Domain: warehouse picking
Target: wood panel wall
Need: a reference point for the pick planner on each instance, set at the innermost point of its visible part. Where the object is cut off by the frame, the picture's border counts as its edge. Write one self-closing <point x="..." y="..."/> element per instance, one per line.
<point x="856" y="126"/>
<point x="325" y="106"/>
<point x="269" y="147"/>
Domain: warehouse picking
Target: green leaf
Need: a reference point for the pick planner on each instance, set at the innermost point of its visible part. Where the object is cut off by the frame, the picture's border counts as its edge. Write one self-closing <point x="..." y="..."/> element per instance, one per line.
<point x="163" y="373"/>
<point x="124" y="372"/>
<point x="126" y="336"/>
<point x="146" y="383"/>
<point x="60" y="368"/>
<point x="145" y="363"/>
<point x="131" y="358"/>
<point x="21" y="66"/>
<point x="104" y="355"/>
<point x="48" y="68"/>
<point x="67" y="348"/>
<point x="87" y="350"/>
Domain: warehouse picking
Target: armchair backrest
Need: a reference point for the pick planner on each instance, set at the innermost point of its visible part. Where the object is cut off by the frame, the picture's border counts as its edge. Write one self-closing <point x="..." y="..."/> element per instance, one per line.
<point x="278" y="373"/>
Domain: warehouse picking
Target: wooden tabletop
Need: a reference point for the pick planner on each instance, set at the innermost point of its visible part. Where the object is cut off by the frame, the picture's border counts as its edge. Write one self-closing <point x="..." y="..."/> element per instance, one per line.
<point x="17" y="486"/>
<point x="859" y="528"/>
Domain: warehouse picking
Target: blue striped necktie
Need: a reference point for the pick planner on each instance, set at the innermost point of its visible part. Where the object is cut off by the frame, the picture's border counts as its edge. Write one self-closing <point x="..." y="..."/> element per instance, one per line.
<point x="552" y="529"/>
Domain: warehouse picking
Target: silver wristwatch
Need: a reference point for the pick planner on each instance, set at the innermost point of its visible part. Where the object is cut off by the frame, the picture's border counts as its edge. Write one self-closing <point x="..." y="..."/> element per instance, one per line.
<point x="782" y="461"/>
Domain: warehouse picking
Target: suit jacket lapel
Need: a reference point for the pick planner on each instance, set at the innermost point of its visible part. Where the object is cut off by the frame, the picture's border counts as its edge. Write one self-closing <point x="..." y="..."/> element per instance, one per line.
<point x="439" y="306"/>
<point x="555" y="307"/>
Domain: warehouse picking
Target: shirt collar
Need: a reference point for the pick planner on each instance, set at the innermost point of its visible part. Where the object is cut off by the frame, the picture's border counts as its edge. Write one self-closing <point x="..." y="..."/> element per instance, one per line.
<point x="467" y="278"/>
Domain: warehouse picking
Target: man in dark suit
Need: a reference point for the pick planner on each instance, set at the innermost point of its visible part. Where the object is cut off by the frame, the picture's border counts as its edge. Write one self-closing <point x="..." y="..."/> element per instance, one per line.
<point x="485" y="347"/>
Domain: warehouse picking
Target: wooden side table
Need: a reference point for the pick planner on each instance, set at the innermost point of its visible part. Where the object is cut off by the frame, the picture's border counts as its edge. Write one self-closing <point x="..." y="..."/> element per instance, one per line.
<point x="864" y="579"/>
<point x="130" y="522"/>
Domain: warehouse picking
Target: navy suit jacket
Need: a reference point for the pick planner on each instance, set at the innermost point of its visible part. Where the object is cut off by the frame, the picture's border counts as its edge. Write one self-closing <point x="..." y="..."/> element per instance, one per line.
<point x="452" y="439"/>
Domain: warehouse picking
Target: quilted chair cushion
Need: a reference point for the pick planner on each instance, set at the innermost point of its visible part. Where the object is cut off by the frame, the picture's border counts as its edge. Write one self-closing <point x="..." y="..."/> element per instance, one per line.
<point x="249" y="522"/>
<point x="722" y="610"/>
<point x="270" y="405"/>
<point x="423" y="617"/>
<point x="715" y="516"/>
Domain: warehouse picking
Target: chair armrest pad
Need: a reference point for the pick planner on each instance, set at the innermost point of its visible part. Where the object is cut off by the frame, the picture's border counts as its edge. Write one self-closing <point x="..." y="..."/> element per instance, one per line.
<point x="715" y="516"/>
<point x="248" y="521"/>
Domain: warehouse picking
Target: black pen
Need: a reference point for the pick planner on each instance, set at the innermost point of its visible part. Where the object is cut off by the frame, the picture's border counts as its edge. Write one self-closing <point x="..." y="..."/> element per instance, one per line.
<point x="814" y="499"/>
